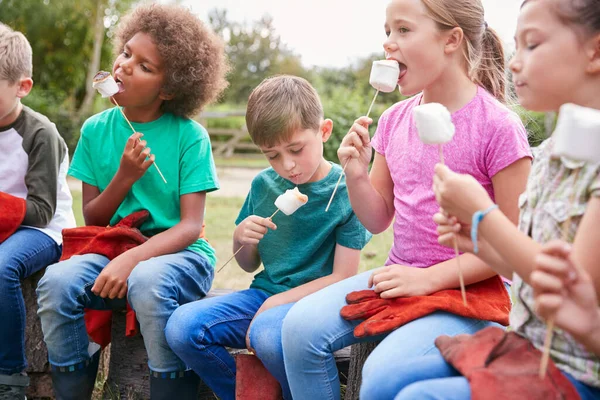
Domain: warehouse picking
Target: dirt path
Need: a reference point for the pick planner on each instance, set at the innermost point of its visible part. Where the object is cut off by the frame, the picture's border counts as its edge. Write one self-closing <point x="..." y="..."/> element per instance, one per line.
<point x="234" y="182"/>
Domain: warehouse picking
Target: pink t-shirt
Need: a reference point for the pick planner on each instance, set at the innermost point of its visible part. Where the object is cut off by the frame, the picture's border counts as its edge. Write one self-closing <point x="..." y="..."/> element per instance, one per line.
<point x="489" y="137"/>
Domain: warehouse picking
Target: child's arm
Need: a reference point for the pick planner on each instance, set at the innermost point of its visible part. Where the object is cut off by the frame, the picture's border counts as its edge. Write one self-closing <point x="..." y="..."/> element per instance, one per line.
<point x="112" y="281"/>
<point x="566" y="295"/>
<point x="247" y="234"/>
<point x="99" y="207"/>
<point x="371" y="195"/>
<point x="461" y="196"/>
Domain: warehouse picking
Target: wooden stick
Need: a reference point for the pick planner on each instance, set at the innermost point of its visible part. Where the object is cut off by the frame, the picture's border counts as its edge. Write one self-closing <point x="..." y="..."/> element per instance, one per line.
<point x="241" y="247"/>
<point x="550" y="326"/>
<point x="134" y="131"/>
<point x="347" y="161"/>
<point x="461" y="278"/>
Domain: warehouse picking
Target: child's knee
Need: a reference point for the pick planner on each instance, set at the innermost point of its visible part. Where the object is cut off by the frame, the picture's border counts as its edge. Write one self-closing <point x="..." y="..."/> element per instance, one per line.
<point x="181" y="331"/>
<point x="56" y="282"/>
<point x="265" y="336"/>
<point x="145" y="290"/>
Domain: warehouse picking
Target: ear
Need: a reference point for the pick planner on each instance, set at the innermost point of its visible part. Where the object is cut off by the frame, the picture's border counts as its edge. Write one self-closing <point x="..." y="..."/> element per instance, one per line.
<point x="165" y="96"/>
<point x="593" y="51"/>
<point x="326" y="129"/>
<point x="454" y="40"/>
<point x="25" y="85"/>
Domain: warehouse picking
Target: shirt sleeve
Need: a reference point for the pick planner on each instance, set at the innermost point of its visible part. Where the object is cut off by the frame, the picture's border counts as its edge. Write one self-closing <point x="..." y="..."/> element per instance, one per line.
<point x="352" y="234"/>
<point x="46" y="154"/>
<point x="507" y="145"/>
<point x="197" y="167"/>
<point x="81" y="165"/>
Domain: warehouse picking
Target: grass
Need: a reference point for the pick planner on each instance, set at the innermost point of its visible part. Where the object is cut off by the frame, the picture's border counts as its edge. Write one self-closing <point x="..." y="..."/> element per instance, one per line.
<point x="221" y="213"/>
<point x="238" y="161"/>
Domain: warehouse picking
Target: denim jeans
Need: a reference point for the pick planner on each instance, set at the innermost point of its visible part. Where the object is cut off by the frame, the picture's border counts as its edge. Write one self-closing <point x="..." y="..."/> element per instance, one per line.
<point x="156" y="288"/>
<point x="432" y="378"/>
<point x="199" y="332"/>
<point x="23" y="253"/>
<point x="314" y="329"/>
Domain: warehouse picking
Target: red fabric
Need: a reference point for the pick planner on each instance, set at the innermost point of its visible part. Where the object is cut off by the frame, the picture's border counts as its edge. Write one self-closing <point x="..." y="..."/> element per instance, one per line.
<point x="109" y="242"/>
<point x="486" y="300"/>
<point x="503" y="365"/>
<point x="253" y="381"/>
<point x="12" y="213"/>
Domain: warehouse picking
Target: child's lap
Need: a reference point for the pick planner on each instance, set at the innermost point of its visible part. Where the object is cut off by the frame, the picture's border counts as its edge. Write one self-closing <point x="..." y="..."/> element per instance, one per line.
<point x="29" y="249"/>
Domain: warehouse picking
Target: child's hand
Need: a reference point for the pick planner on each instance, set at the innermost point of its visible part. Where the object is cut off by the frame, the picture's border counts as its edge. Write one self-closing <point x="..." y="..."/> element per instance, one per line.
<point x="448" y="228"/>
<point x="565" y="293"/>
<point x="112" y="281"/>
<point x="136" y="158"/>
<point x="460" y="195"/>
<point x="400" y="281"/>
<point x="251" y="230"/>
<point x="355" y="149"/>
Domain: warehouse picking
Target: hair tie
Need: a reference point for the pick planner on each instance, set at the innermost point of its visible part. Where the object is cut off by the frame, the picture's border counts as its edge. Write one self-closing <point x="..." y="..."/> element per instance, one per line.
<point x="485" y="25"/>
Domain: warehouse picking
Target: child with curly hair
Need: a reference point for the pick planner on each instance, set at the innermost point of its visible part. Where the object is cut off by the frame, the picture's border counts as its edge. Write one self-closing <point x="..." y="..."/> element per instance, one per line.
<point x="168" y="66"/>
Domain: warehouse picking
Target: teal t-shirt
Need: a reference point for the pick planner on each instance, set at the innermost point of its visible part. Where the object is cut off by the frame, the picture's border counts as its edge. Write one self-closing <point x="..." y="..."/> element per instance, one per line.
<point x="303" y="246"/>
<point x="183" y="154"/>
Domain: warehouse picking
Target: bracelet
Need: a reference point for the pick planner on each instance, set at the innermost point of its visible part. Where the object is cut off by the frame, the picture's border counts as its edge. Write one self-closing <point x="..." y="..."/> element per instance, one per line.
<point x="477" y="218"/>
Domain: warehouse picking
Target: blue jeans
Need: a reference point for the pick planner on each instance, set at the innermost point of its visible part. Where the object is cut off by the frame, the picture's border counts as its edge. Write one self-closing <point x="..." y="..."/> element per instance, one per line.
<point x="156" y="288"/>
<point x="314" y="329"/>
<point x="432" y="378"/>
<point x="199" y="332"/>
<point x="25" y="252"/>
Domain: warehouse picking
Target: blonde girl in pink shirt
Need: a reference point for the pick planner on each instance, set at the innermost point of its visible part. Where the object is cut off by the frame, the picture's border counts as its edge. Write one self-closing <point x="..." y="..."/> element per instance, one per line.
<point x="447" y="54"/>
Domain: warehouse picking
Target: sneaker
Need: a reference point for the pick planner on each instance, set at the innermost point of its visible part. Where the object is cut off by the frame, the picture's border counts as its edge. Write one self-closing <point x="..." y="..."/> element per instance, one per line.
<point x="12" y="387"/>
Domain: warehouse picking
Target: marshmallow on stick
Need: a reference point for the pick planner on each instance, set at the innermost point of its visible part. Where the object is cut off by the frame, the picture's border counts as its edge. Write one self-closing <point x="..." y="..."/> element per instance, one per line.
<point x="106" y="85"/>
<point x="384" y="75"/>
<point x="288" y="203"/>
<point x="384" y="78"/>
<point x="434" y="123"/>
<point x="577" y="138"/>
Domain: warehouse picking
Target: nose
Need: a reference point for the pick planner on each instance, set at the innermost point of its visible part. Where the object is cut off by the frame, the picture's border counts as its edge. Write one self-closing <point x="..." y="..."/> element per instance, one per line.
<point x="389" y="46"/>
<point x="126" y="66"/>
<point x="515" y="64"/>
<point x="288" y="163"/>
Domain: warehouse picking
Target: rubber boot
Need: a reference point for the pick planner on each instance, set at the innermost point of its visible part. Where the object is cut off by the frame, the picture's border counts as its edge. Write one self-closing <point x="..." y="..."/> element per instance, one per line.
<point x="180" y="385"/>
<point x="12" y="387"/>
<point x="77" y="381"/>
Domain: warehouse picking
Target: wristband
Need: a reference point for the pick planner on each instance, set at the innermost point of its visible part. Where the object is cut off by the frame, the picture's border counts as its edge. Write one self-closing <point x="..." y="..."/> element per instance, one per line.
<point x="477" y="218"/>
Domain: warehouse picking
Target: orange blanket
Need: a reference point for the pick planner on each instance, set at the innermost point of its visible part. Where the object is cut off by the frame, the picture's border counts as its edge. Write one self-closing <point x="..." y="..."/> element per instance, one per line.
<point x="503" y="365"/>
<point x="486" y="300"/>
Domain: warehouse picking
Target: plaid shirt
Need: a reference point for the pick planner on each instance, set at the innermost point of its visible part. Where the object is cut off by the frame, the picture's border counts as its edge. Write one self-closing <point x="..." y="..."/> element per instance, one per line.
<point x="545" y="206"/>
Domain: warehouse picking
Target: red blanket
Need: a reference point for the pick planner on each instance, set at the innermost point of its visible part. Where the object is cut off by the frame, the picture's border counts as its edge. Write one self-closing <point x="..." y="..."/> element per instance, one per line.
<point x="486" y="300"/>
<point x="12" y="212"/>
<point x="503" y="365"/>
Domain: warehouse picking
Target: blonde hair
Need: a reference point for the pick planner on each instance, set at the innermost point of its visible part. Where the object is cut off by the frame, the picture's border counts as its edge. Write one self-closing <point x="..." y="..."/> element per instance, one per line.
<point x="280" y="106"/>
<point x="483" y="48"/>
<point x="15" y="55"/>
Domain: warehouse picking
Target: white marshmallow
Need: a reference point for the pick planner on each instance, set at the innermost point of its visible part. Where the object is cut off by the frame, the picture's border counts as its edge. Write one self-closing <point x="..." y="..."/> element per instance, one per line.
<point x="290" y="201"/>
<point x="434" y="123"/>
<point x="577" y="133"/>
<point x="105" y="84"/>
<point x="384" y="75"/>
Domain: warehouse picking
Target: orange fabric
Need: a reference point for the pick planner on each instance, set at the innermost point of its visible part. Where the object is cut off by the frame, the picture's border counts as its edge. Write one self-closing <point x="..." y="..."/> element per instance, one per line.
<point x="253" y="381"/>
<point x="486" y="300"/>
<point x="12" y="213"/>
<point x="109" y="242"/>
<point x="503" y="365"/>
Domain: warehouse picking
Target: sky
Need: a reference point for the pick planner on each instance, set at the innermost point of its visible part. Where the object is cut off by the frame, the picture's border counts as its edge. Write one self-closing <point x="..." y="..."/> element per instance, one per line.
<point x="334" y="33"/>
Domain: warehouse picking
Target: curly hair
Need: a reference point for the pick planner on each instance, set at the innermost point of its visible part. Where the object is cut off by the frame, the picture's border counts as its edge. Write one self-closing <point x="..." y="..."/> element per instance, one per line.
<point x="193" y="56"/>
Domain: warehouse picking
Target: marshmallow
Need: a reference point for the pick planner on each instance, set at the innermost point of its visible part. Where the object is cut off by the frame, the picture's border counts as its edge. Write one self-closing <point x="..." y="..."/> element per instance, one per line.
<point x="105" y="84"/>
<point x="577" y="133"/>
<point x="434" y="123"/>
<point x="290" y="201"/>
<point x="384" y="75"/>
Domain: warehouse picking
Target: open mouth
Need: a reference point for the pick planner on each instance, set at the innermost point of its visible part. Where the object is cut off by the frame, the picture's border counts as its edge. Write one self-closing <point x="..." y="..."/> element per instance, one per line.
<point x="403" y="70"/>
<point x="120" y="85"/>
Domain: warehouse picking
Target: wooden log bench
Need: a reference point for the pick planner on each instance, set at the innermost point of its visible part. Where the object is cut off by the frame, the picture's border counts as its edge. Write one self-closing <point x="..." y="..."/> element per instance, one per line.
<point x="358" y="356"/>
<point x="128" y="369"/>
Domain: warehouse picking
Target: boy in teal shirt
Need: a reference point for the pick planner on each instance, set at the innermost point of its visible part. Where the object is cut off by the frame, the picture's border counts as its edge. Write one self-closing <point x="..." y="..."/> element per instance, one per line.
<point x="301" y="253"/>
<point x="158" y="46"/>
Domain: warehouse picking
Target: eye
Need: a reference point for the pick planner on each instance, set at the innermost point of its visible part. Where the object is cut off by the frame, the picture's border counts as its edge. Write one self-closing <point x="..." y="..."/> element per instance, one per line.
<point x="144" y="68"/>
<point x="296" y="151"/>
<point x="125" y="54"/>
<point x="403" y="30"/>
<point x="387" y="33"/>
<point x="532" y="46"/>
<point x="273" y="157"/>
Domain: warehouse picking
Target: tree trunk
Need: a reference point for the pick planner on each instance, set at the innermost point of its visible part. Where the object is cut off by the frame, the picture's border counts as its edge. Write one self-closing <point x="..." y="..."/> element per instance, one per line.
<point x="358" y="356"/>
<point x="95" y="61"/>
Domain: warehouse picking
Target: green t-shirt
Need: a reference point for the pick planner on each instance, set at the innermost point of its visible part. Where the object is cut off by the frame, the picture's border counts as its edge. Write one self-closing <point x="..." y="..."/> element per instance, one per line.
<point x="303" y="246"/>
<point x="183" y="154"/>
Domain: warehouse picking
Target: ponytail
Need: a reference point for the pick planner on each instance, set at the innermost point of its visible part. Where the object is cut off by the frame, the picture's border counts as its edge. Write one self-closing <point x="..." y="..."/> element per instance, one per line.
<point x="490" y="71"/>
